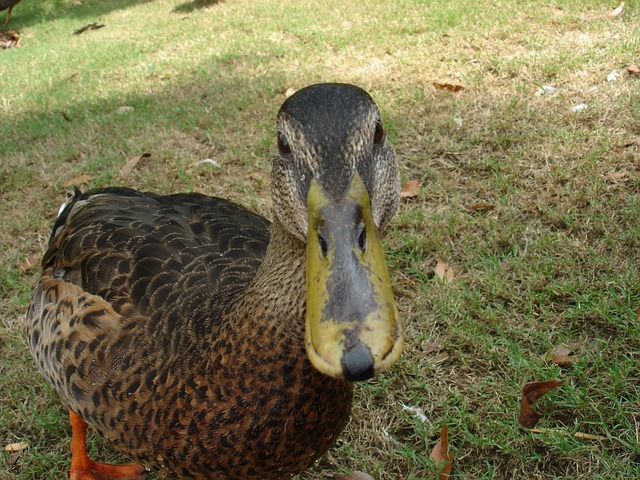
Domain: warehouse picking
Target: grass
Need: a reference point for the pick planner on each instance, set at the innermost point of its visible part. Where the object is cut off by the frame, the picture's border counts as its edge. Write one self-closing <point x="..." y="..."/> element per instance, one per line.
<point x="555" y="259"/>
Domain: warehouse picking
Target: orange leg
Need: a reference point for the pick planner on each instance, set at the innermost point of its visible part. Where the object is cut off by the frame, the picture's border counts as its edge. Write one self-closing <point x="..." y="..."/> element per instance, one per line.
<point x="83" y="468"/>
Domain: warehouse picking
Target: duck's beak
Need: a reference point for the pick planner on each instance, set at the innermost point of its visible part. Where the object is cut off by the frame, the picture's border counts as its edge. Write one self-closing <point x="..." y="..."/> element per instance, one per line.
<point x="352" y="326"/>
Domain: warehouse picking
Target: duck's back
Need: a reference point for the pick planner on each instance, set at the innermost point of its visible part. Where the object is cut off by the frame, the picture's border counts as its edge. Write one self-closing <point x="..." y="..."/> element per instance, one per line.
<point x="129" y="274"/>
<point x="141" y="252"/>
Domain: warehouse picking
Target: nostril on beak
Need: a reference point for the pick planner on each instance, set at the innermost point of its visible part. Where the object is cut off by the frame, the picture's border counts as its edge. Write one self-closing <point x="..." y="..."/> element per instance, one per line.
<point x="357" y="363"/>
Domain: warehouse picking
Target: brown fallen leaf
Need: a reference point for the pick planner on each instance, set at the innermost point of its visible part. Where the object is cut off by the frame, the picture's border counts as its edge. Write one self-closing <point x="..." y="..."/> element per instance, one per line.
<point x="531" y="392"/>
<point x="562" y="354"/>
<point x="444" y="271"/>
<point x="16" y="447"/>
<point x="441" y="455"/>
<point x="84" y="178"/>
<point x="439" y="358"/>
<point x="432" y="347"/>
<point x="616" y="11"/>
<point x="131" y="163"/>
<point x="91" y="26"/>
<point x="410" y="189"/>
<point x="564" y="359"/>
<point x="482" y="207"/>
<point x="562" y="351"/>
<point x="615" y="176"/>
<point x="356" y="475"/>
<point x="585" y="436"/>
<point x="628" y="143"/>
<point x="9" y="39"/>
<point x="448" y="86"/>
<point x="633" y="69"/>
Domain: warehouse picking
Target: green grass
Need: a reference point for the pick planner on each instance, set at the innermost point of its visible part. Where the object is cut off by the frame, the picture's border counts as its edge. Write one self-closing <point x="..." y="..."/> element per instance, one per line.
<point x="557" y="261"/>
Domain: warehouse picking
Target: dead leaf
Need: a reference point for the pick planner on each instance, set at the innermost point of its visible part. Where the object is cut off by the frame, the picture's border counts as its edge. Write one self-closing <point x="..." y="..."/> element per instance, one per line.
<point x="634" y="69"/>
<point x="561" y="351"/>
<point x="16" y="447"/>
<point x="290" y="91"/>
<point x="628" y="143"/>
<point x="9" y="39"/>
<point x="615" y="176"/>
<point x="432" y="347"/>
<point x="30" y="262"/>
<point x="448" y="86"/>
<point x="16" y="450"/>
<point x="586" y="436"/>
<point x="616" y="11"/>
<point x="130" y="164"/>
<point x="444" y="271"/>
<point x="353" y="476"/>
<point x="482" y="207"/>
<point x="410" y="189"/>
<point x="91" y="26"/>
<point x="531" y="392"/>
<point x="441" y="455"/>
<point x="562" y="354"/>
<point x="564" y="359"/>
<point x="84" y="178"/>
<point x="439" y="358"/>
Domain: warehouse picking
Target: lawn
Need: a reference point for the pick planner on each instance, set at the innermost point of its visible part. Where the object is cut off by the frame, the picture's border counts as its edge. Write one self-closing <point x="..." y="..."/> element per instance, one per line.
<point x="520" y="244"/>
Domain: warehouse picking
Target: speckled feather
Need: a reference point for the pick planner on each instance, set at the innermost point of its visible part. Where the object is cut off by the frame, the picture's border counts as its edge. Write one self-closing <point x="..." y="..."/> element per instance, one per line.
<point x="136" y="306"/>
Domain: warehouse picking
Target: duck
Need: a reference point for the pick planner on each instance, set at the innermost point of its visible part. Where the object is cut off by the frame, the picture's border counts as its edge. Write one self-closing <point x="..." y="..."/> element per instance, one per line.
<point x="8" y="4"/>
<point x="208" y="342"/>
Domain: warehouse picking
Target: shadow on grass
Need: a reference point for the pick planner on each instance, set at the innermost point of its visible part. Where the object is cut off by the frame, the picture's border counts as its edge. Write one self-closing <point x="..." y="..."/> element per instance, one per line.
<point x="195" y="5"/>
<point x="29" y="13"/>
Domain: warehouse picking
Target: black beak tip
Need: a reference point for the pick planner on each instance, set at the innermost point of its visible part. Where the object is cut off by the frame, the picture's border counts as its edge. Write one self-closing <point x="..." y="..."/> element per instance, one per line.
<point x="357" y="363"/>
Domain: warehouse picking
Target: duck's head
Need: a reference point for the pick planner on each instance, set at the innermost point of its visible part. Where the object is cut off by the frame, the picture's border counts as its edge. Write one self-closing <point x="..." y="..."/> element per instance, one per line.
<point x="336" y="184"/>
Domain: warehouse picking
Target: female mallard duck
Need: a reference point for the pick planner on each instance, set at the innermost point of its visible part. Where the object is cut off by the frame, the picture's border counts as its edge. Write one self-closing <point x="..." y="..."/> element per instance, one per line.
<point x="208" y="343"/>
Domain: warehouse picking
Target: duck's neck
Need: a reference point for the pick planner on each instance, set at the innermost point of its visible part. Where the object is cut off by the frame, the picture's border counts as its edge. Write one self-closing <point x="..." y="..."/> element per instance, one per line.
<point x="277" y="293"/>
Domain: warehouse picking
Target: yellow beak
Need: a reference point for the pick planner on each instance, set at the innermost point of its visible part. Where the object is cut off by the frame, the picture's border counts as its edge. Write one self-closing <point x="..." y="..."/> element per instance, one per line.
<point x="352" y="328"/>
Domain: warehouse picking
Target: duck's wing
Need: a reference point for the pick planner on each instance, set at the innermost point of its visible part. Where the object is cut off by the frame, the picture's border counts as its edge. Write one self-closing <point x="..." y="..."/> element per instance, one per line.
<point x="129" y="274"/>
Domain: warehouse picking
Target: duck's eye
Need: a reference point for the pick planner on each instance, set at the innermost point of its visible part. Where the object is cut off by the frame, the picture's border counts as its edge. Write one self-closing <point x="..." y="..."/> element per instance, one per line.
<point x="379" y="135"/>
<point x="283" y="144"/>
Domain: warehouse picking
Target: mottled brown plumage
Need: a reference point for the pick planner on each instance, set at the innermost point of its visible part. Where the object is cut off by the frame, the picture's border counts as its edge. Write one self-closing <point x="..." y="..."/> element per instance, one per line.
<point x="174" y="325"/>
<point x="8" y="4"/>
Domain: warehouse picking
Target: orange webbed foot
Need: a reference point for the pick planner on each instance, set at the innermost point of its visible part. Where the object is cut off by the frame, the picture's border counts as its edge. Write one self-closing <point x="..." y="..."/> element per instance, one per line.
<point x="83" y="468"/>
